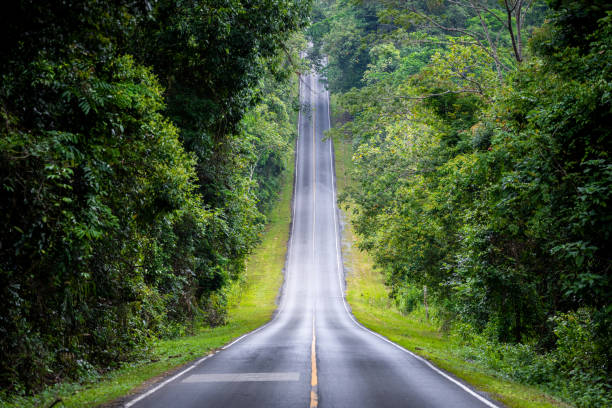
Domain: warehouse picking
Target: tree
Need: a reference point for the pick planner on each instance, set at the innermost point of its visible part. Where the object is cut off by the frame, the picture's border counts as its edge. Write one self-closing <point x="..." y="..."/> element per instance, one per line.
<point x="127" y="204"/>
<point x="493" y="191"/>
<point x="496" y="28"/>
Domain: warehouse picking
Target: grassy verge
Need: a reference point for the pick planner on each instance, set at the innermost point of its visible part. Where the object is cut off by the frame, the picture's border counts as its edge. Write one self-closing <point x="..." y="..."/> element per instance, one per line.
<point x="368" y="297"/>
<point x="252" y="303"/>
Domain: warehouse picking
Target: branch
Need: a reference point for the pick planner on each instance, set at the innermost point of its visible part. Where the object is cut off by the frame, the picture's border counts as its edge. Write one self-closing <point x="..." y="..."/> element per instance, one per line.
<point x="526" y="10"/>
<point x="439" y="41"/>
<point x="493" y="47"/>
<point x="455" y="30"/>
<point x="509" y="14"/>
<point x="422" y="97"/>
<point x="57" y="401"/>
<point x="290" y="58"/>
<point x="481" y="7"/>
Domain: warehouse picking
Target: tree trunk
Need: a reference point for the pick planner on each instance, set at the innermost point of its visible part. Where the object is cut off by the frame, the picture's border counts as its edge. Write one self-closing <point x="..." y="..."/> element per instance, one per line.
<point x="516" y="47"/>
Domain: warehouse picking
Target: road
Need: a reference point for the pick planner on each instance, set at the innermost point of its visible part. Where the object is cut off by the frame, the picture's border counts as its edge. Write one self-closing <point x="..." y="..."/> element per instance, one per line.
<point x="313" y="353"/>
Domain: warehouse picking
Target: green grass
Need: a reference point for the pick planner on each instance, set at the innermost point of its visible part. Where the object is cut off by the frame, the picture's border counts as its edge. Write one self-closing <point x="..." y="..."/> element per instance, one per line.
<point x="252" y="303"/>
<point x="371" y="305"/>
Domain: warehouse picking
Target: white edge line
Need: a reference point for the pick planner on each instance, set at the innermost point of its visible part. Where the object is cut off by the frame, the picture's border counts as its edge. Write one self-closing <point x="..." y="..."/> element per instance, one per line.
<point x="201" y="360"/>
<point x="430" y="365"/>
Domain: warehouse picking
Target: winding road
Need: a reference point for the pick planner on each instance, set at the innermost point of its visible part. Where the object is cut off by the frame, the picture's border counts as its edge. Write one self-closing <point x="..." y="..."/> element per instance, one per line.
<point x="313" y="353"/>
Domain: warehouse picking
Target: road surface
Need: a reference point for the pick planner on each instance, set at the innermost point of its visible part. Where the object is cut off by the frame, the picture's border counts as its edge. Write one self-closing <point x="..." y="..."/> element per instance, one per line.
<point x="313" y="353"/>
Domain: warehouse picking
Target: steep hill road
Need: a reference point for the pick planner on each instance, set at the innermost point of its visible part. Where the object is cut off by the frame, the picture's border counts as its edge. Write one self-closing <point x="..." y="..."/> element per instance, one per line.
<point x="313" y="353"/>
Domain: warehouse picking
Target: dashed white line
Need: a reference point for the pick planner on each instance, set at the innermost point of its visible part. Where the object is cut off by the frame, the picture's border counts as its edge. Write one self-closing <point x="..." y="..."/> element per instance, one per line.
<point x="243" y="377"/>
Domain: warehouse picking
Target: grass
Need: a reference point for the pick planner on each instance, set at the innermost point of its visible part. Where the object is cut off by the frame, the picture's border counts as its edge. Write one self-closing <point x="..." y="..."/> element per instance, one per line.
<point x="252" y="303"/>
<point x="371" y="305"/>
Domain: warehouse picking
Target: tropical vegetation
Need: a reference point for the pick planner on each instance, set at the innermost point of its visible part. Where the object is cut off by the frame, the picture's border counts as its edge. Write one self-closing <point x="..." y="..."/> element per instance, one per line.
<point x="482" y="172"/>
<point x="142" y="145"/>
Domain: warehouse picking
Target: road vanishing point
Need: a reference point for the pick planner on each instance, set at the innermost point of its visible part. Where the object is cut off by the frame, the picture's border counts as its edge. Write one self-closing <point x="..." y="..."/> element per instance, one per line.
<point x="313" y="353"/>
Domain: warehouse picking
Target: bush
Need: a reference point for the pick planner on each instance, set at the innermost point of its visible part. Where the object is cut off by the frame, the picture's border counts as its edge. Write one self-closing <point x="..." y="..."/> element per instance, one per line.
<point x="574" y="371"/>
<point x="408" y="298"/>
<point x="581" y="360"/>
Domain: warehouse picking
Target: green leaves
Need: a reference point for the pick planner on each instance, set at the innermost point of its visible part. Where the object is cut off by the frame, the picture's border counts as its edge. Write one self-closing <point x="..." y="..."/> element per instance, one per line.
<point x="461" y="68"/>
<point x="132" y="187"/>
<point x="493" y="190"/>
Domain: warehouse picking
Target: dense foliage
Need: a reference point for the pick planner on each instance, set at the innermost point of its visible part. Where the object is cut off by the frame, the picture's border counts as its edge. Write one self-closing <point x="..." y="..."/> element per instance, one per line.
<point x="141" y="145"/>
<point x="483" y="173"/>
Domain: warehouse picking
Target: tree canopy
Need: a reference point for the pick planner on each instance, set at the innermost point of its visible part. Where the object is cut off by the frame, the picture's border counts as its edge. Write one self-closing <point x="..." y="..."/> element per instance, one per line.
<point x="142" y="143"/>
<point x="482" y="169"/>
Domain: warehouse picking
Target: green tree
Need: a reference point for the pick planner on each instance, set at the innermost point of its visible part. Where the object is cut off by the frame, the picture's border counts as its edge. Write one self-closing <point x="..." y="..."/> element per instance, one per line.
<point x="493" y="191"/>
<point x="128" y="201"/>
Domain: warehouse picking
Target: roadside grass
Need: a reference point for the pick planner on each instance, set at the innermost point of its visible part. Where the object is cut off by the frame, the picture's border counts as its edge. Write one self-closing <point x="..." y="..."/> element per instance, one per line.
<point x="252" y="302"/>
<point x="371" y="305"/>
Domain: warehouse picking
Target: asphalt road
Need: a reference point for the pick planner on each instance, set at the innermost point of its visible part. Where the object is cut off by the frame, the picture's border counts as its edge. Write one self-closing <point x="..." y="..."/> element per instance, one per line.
<point x="313" y="353"/>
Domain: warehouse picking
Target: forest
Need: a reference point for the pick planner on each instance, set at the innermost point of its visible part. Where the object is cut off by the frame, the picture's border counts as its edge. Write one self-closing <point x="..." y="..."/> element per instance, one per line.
<point x="142" y="143"/>
<point x="480" y="134"/>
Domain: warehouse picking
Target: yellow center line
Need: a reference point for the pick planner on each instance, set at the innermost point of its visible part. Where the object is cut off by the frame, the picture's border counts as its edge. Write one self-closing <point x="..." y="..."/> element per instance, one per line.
<point x="314" y="398"/>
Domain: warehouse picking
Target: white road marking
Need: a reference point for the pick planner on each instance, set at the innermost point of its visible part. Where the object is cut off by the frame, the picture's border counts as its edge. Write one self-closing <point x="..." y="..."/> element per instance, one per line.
<point x="341" y="286"/>
<point x="314" y="396"/>
<point x="242" y="377"/>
